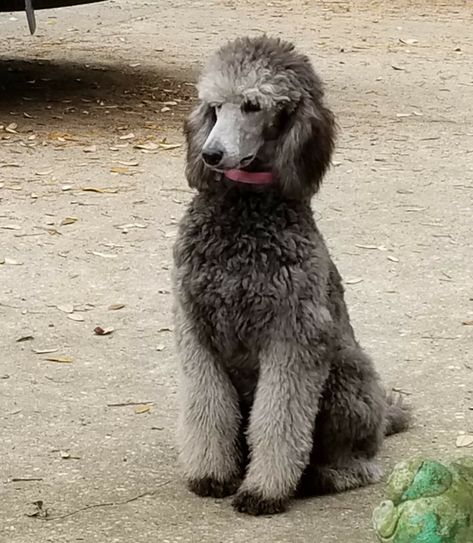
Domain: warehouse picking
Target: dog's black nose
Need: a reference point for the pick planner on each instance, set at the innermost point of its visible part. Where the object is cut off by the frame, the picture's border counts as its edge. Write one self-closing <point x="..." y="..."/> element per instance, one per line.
<point x="212" y="157"/>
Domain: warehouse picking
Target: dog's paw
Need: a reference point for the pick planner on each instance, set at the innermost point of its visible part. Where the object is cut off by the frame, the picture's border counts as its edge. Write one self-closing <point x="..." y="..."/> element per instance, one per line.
<point x="253" y="504"/>
<point x="208" y="486"/>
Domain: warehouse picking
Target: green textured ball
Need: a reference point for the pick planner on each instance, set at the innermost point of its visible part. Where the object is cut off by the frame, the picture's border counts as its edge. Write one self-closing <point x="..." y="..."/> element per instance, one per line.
<point x="427" y="502"/>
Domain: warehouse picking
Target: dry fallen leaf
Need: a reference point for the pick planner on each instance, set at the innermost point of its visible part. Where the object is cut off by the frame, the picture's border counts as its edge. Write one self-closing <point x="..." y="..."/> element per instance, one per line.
<point x="392" y="258"/>
<point x="169" y="146"/>
<point x="132" y="225"/>
<point x="10" y="226"/>
<point x="366" y="246"/>
<point x="120" y="169"/>
<point x="99" y="331"/>
<point x="84" y="307"/>
<point x="409" y="41"/>
<point x="160" y="347"/>
<point x="44" y="173"/>
<point x="115" y="307"/>
<point x="50" y="231"/>
<point x="45" y="351"/>
<point x="354" y="281"/>
<point x="90" y="149"/>
<point x="105" y="190"/>
<point x="60" y="359"/>
<point x="467" y="323"/>
<point x="103" y="255"/>
<point x="139" y="409"/>
<point x="127" y="136"/>
<point x="147" y="146"/>
<point x="61" y="136"/>
<point x="11" y="128"/>
<point x="129" y="163"/>
<point x="75" y="317"/>
<point x="464" y="440"/>
<point x="68" y="220"/>
<point x="66" y="308"/>
<point x="10" y="262"/>
<point x="28" y="337"/>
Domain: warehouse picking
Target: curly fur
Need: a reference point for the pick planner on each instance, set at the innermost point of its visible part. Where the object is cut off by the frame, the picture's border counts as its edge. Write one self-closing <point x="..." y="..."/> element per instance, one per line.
<point x="277" y="396"/>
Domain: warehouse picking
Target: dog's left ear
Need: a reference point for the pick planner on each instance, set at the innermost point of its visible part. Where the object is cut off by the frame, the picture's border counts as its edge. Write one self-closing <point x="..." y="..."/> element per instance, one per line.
<point x="197" y="128"/>
<point x="305" y="148"/>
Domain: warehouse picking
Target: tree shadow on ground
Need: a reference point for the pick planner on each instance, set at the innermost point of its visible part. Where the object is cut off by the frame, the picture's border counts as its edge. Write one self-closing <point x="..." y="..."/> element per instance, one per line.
<point x="39" y="95"/>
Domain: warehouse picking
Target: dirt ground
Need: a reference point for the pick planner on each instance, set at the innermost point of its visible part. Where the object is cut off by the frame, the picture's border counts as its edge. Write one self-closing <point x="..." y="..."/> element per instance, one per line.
<point x="91" y="189"/>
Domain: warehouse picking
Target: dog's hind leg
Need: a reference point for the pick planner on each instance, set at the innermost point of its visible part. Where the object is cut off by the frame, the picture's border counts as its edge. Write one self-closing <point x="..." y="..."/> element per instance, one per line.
<point x="350" y="427"/>
<point x="398" y="415"/>
<point x="209" y="421"/>
<point x="355" y="473"/>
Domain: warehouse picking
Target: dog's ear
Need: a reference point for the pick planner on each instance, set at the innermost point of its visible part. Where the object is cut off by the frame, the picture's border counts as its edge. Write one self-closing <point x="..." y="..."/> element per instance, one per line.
<point x="197" y="128"/>
<point x="305" y="148"/>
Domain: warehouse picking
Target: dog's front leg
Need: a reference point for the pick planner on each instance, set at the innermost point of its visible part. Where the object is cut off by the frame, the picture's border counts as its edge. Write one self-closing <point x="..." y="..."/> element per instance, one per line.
<point x="209" y="419"/>
<point x="281" y="426"/>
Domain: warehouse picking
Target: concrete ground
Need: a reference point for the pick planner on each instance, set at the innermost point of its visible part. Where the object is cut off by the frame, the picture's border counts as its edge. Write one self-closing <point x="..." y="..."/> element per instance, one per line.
<point x="91" y="188"/>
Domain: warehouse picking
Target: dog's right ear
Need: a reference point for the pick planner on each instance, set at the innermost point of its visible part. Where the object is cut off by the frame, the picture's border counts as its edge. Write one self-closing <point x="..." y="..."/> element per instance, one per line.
<point x="197" y="128"/>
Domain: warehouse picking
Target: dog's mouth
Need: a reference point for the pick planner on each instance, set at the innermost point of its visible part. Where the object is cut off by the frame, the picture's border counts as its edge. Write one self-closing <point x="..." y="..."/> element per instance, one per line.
<point x="255" y="165"/>
<point x="253" y="173"/>
<point x="248" y="163"/>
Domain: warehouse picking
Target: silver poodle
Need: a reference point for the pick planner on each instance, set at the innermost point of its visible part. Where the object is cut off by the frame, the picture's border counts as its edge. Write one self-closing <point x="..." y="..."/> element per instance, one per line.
<point x="278" y="399"/>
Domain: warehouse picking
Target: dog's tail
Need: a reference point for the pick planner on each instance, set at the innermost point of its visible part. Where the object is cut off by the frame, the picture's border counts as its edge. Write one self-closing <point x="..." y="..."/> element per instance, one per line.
<point x="398" y="415"/>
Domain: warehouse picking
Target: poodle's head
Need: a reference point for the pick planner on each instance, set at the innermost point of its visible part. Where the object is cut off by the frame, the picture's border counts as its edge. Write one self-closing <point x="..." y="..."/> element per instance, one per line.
<point x="260" y="109"/>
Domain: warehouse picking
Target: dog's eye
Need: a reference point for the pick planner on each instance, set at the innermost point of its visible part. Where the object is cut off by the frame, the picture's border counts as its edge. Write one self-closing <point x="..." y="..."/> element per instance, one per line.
<point x="250" y="107"/>
<point x="217" y="107"/>
<point x="282" y="119"/>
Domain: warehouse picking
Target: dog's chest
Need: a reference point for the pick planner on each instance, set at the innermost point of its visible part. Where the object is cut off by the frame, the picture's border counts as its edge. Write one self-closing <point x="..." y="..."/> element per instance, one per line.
<point x="237" y="272"/>
<point x="234" y="286"/>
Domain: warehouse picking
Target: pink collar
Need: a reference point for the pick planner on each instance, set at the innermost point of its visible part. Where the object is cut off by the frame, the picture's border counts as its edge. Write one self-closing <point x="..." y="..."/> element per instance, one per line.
<point x="252" y="178"/>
